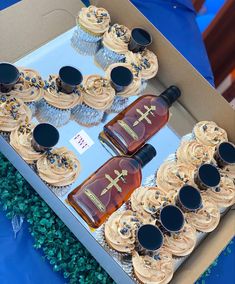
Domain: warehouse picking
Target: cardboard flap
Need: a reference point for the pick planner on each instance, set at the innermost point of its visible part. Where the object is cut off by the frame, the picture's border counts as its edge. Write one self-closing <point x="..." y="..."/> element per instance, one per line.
<point x="31" y="23"/>
<point x="175" y="69"/>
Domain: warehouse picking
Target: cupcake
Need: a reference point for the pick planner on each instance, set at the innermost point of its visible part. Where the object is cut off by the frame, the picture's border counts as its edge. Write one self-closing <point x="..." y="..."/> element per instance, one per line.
<point x="205" y="219"/>
<point x="21" y="141"/>
<point x="59" y="168"/>
<point x="209" y="133"/>
<point x="92" y="23"/>
<point x="131" y="82"/>
<point x="120" y="231"/>
<point x="173" y="175"/>
<point x="98" y="96"/>
<point x="13" y="113"/>
<point x="29" y="88"/>
<point x="224" y="195"/>
<point x="57" y="104"/>
<point x="147" y="200"/>
<point x="194" y="153"/>
<point x="182" y="243"/>
<point x="156" y="269"/>
<point x="114" y="46"/>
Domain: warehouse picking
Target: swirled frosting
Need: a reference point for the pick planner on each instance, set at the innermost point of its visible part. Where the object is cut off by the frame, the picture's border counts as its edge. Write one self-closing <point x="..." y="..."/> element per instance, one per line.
<point x="117" y="38"/>
<point x="13" y="112"/>
<point x="59" y="99"/>
<point x="224" y="195"/>
<point x="97" y="92"/>
<point x="207" y="218"/>
<point x="20" y="140"/>
<point x="120" y="230"/>
<point x="59" y="168"/>
<point x="133" y="88"/>
<point x="147" y="200"/>
<point x="153" y="270"/>
<point x="194" y="153"/>
<point x="182" y="243"/>
<point x="172" y="175"/>
<point x="94" y="20"/>
<point x="30" y="87"/>
<point x="209" y="133"/>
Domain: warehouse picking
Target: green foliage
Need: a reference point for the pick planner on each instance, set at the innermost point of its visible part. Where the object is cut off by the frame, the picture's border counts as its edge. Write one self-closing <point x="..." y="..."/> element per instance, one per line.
<point x="61" y="248"/>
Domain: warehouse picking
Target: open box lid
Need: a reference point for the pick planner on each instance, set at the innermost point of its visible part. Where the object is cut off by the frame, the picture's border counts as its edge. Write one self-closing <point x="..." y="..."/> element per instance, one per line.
<point x="31" y="23"/>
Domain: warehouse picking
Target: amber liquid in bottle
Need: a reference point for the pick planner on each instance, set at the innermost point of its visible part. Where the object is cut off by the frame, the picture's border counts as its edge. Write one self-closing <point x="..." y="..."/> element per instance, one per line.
<point x="131" y="128"/>
<point x="108" y="188"/>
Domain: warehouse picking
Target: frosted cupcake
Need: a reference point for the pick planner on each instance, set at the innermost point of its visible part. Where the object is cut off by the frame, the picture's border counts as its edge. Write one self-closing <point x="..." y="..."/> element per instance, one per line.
<point x="173" y="175"/>
<point x="98" y="96"/>
<point x="29" y="88"/>
<point x="182" y="243"/>
<point x="21" y="141"/>
<point x="120" y="231"/>
<point x="207" y="218"/>
<point x="92" y="23"/>
<point x="59" y="168"/>
<point x="124" y="82"/>
<point x="114" y="46"/>
<point x="61" y="97"/>
<point x="156" y="269"/>
<point x="209" y="133"/>
<point x="194" y="153"/>
<point x="13" y="113"/>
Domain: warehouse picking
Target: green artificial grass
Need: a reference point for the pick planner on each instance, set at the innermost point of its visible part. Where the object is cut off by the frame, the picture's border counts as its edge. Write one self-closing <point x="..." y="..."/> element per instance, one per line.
<point x="64" y="252"/>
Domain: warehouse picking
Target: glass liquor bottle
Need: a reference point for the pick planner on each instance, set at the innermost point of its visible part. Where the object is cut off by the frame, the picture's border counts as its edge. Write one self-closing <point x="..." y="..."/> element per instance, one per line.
<point x="110" y="186"/>
<point x="132" y="127"/>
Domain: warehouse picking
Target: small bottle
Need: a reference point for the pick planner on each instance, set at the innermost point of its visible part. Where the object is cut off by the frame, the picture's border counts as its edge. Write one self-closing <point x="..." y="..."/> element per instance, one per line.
<point x="132" y="127"/>
<point x="110" y="186"/>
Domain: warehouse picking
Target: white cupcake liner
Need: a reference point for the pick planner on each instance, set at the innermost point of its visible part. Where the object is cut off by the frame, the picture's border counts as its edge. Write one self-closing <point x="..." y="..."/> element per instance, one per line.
<point x="105" y="57"/>
<point x="81" y="34"/>
<point x="119" y="104"/>
<point x="32" y="107"/>
<point x="85" y="115"/>
<point x="142" y="88"/>
<point x="188" y="137"/>
<point x="55" y="116"/>
<point x="5" y="135"/>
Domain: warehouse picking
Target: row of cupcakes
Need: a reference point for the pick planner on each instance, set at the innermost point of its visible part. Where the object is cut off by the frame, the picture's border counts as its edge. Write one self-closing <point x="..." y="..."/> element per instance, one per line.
<point x="194" y="183"/>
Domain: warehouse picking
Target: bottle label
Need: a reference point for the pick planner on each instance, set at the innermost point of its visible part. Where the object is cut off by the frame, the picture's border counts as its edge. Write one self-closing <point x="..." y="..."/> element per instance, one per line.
<point x="145" y="115"/>
<point x="128" y="130"/>
<point x="95" y="200"/>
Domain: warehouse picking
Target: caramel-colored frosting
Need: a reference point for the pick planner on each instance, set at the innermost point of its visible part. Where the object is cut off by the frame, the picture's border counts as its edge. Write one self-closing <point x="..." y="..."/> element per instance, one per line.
<point x="172" y="175"/>
<point x="153" y="270"/>
<point x="30" y="87"/>
<point x="20" y="140"/>
<point x="98" y="92"/>
<point x="207" y="218"/>
<point x="59" y="99"/>
<point x="209" y="133"/>
<point x="224" y="196"/>
<point x="230" y="171"/>
<point x="194" y="153"/>
<point x="133" y="88"/>
<point x="120" y="230"/>
<point x="59" y="168"/>
<point x="147" y="200"/>
<point x="93" y="19"/>
<point x="13" y="112"/>
<point x="117" y="38"/>
<point x="182" y="243"/>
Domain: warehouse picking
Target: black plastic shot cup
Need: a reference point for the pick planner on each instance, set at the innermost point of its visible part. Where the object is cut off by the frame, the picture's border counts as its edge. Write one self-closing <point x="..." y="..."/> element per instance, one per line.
<point x="140" y="39"/>
<point x="69" y="78"/>
<point x="45" y="137"/>
<point x="225" y="154"/>
<point x="189" y="199"/>
<point x="9" y="75"/>
<point x="121" y="77"/>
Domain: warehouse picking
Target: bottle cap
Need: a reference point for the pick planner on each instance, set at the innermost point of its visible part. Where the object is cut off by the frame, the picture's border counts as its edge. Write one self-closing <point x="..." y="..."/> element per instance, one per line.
<point x="69" y="79"/>
<point x="121" y="77"/>
<point x="140" y="39"/>
<point x="149" y="238"/>
<point x="145" y="154"/>
<point x="171" y="218"/>
<point x="225" y="154"/>
<point x="207" y="176"/>
<point x="171" y="94"/>
<point x="189" y="198"/>
<point x="9" y="75"/>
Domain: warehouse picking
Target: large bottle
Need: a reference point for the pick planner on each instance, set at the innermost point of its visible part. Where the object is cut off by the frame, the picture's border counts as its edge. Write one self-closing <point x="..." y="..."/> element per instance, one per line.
<point x="110" y="186"/>
<point x="132" y="127"/>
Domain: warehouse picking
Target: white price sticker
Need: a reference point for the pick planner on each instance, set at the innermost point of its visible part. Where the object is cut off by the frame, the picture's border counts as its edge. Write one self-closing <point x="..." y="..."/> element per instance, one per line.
<point x="81" y="142"/>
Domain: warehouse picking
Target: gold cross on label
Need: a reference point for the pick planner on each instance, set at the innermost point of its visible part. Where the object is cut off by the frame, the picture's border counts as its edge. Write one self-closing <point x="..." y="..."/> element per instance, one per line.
<point x="144" y="115"/>
<point x="114" y="182"/>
